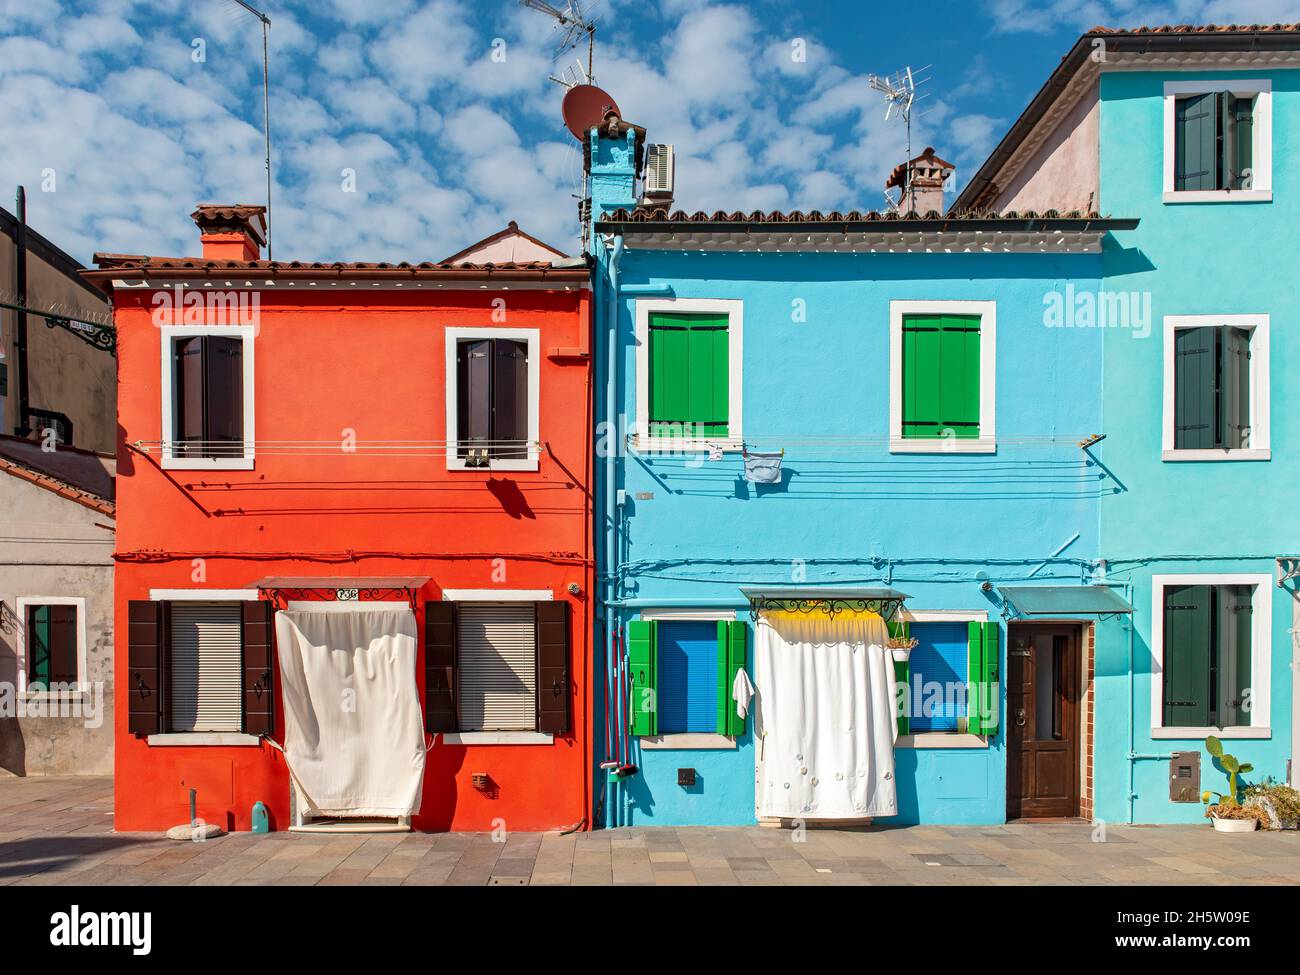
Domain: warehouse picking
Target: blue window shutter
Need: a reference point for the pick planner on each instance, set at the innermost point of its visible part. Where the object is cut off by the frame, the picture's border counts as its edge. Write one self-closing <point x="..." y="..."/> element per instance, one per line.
<point x="939" y="657"/>
<point x="688" y="676"/>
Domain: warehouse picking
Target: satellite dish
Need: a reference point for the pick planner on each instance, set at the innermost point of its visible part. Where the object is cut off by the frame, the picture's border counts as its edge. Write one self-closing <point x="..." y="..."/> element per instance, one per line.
<point x="585" y="107"/>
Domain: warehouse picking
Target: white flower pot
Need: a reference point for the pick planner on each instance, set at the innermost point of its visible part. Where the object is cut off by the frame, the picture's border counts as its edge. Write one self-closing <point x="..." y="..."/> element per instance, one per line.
<point x="901" y="654"/>
<point x="1233" y="825"/>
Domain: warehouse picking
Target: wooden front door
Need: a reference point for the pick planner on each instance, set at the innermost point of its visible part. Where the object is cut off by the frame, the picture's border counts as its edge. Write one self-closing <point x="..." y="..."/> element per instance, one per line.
<point x="1042" y="720"/>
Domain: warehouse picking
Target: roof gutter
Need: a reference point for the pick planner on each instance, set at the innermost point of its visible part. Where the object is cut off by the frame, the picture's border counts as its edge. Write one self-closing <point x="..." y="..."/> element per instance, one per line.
<point x="947" y="225"/>
<point x="104" y="277"/>
<point x="1083" y="48"/>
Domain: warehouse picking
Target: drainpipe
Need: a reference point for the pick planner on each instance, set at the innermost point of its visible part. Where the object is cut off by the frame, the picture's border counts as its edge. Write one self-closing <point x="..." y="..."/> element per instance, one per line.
<point x="22" y="428"/>
<point x="1133" y="755"/>
<point x="611" y="541"/>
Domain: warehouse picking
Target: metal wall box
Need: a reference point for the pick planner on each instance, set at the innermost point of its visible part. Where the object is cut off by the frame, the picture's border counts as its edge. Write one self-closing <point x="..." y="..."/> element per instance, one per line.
<point x="686" y="777"/>
<point x="1185" y="777"/>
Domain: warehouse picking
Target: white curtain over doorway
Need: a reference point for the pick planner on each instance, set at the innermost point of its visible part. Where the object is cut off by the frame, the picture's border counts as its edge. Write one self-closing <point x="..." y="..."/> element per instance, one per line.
<point x="354" y="736"/>
<point x="826" y="716"/>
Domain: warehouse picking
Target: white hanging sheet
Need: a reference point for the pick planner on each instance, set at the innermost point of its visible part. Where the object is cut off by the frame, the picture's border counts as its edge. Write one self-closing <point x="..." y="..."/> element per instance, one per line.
<point x="354" y="736"/>
<point x="826" y="699"/>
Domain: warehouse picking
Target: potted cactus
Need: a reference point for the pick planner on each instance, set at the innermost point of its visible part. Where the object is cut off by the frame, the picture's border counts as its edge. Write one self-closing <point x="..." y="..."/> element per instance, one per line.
<point x="1225" y="810"/>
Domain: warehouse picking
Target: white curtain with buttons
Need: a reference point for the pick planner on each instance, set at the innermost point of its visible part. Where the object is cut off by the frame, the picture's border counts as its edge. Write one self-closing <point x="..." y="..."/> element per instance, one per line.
<point x="826" y="719"/>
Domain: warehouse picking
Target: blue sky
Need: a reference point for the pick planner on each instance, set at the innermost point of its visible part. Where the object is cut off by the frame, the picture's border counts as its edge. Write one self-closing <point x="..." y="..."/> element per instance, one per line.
<point x="117" y="128"/>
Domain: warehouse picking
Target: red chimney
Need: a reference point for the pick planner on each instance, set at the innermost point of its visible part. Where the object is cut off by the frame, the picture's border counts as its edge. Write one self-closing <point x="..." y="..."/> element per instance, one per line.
<point x="230" y="233"/>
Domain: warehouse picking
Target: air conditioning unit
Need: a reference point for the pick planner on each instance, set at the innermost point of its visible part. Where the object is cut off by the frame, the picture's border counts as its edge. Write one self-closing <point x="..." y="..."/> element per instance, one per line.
<point x="659" y="172"/>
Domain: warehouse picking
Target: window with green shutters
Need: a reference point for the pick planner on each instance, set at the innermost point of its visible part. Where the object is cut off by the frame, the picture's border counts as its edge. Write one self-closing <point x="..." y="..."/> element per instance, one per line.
<point x="941" y="377"/>
<point x="983" y="681"/>
<point x="689" y="378"/>
<point x="51" y="638"/>
<point x="1213" y="141"/>
<point x="1212" y="394"/>
<point x="1207" y="656"/>
<point x="674" y="689"/>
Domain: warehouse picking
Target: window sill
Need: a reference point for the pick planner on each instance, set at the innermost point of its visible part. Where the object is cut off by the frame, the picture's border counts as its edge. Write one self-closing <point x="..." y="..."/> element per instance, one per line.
<point x="694" y="741"/>
<point x="943" y="445"/>
<point x="496" y="738"/>
<point x="941" y="739"/>
<point x="227" y="738"/>
<point x="207" y="463"/>
<point x="1263" y="453"/>
<point x="1219" y="196"/>
<point x="530" y="464"/>
<point x="1203" y="733"/>
<point x="694" y="445"/>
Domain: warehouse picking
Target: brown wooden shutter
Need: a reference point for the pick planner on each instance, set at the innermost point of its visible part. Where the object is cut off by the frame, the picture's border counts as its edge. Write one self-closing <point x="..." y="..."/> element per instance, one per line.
<point x="145" y="640"/>
<point x="473" y="393"/>
<point x="223" y="366"/>
<point x="187" y="361"/>
<point x="510" y="398"/>
<point x="553" y="667"/>
<point x="63" y="644"/>
<point x="439" y="666"/>
<point x="259" y="667"/>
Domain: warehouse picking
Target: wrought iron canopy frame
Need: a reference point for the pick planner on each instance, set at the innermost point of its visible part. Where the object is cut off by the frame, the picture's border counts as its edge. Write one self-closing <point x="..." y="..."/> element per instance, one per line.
<point x="884" y="606"/>
<point x="281" y="597"/>
<point x="96" y="334"/>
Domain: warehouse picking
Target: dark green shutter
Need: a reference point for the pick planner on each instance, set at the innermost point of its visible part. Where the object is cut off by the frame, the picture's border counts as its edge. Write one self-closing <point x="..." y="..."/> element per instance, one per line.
<point x="941" y="376"/>
<point x="732" y="644"/>
<point x="901" y="629"/>
<point x="1242" y="139"/>
<point x="642" y="659"/>
<point x="983" y="683"/>
<point x="1194" y="388"/>
<point x="689" y="375"/>
<point x="1195" y="142"/>
<point x="1234" y="388"/>
<point x="1187" y="638"/>
<point x="1233" y="670"/>
<point x="38" y="645"/>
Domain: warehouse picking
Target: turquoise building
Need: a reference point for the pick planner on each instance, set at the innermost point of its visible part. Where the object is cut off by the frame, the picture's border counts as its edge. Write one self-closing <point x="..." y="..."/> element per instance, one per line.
<point x="1039" y="441"/>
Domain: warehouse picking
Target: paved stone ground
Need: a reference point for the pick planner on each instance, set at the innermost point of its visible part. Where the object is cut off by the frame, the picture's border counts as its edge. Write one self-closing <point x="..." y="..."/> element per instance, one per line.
<point x="60" y="831"/>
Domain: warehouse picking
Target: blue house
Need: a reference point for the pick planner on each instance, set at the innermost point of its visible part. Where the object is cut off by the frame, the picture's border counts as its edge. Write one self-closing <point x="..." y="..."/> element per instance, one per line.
<point x="1190" y="131"/>
<point x="846" y="460"/>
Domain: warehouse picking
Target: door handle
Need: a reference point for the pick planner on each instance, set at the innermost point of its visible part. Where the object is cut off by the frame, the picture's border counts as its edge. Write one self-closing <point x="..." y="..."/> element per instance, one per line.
<point x="1020" y="717"/>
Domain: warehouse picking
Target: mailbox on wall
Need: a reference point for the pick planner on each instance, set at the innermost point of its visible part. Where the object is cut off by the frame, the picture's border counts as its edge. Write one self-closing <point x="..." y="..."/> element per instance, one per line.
<point x="1185" y="777"/>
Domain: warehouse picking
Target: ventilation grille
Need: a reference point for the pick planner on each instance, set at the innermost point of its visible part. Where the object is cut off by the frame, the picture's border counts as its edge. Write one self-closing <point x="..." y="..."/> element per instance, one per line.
<point x="206" y="662"/>
<point x="497" y="649"/>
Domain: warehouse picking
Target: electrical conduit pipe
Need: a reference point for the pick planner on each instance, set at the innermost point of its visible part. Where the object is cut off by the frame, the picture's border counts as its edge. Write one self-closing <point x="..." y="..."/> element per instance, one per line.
<point x="611" y="446"/>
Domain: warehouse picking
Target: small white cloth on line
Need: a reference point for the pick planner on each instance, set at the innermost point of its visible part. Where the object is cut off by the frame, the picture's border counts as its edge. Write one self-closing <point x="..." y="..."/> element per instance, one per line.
<point x="354" y="735"/>
<point x="742" y="692"/>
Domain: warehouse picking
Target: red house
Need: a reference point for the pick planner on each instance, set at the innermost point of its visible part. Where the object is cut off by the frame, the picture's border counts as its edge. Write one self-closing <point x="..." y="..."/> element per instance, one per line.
<point x="354" y="537"/>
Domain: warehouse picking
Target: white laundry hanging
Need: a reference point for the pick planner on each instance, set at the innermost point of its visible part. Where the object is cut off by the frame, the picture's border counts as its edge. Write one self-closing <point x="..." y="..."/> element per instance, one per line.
<point x="354" y="736"/>
<point x="826" y="716"/>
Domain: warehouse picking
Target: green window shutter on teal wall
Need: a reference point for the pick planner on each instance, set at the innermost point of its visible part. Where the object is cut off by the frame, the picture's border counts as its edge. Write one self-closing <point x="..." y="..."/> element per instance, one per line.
<point x="689" y="375"/>
<point x="733" y="638"/>
<point x="1194" y="388"/>
<point x="1186" y="664"/>
<point x="983" y="688"/>
<point x="1195" y="142"/>
<point x="642" y="647"/>
<point x="1243" y="140"/>
<point x="941" y="376"/>
<point x="900" y="629"/>
<point x="1234" y="410"/>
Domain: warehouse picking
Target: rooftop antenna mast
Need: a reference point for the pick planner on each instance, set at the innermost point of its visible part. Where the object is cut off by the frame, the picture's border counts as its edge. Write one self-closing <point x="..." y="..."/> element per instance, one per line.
<point x="900" y="97"/>
<point x="266" y="108"/>
<point x="575" y="22"/>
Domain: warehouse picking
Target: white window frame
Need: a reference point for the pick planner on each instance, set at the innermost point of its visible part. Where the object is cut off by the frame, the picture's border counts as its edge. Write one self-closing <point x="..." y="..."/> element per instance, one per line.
<point x="943" y="739"/>
<point x="21" y="605"/>
<point x="211" y="739"/>
<point x="497" y="596"/>
<point x="688" y="740"/>
<point x="456" y="335"/>
<point x="1259" y="448"/>
<point x="1261" y="89"/>
<point x="734" y="309"/>
<point x="1261" y="654"/>
<point x="986" y="442"/>
<point x="170" y="333"/>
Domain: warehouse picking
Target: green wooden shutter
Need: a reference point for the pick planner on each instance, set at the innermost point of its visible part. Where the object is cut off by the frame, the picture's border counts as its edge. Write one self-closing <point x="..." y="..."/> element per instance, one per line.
<point x="1194" y="388"/>
<point x="983" y="683"/>
<point x="38" y="645"/>
<point x="642" y="658"/>
<point x="903" y="676"/>
<point x="689" y="375"/>
<point x="1235" y="610"/>
<point x="732" y="643"/>
<point x="1234" y="387"/>
<point x="1195" y="142"/>
<point x="1186" y="666"/>
<point x="941" y="376"/>
<point x="1242" y="139"/>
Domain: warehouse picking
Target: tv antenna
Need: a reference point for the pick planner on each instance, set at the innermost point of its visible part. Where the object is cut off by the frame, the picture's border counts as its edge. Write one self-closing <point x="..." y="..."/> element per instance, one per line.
<point x="575" y="23"/>
<point x="900" y="94"/>
<point x="266" y="109"/>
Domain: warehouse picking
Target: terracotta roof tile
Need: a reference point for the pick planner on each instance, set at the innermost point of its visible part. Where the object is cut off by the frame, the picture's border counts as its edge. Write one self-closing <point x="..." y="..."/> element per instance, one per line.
<point x="661" y="215"/>
<point x="53" y="484"/>
<point x="146" y="262"/>
<point x="1201" y="29"/>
